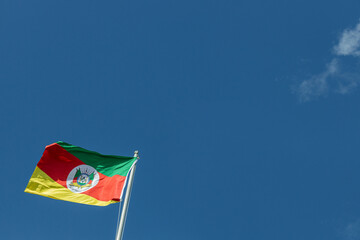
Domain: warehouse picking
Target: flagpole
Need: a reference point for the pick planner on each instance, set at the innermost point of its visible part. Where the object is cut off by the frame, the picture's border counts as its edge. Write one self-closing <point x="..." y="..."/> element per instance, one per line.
<point x="120" y="230"/>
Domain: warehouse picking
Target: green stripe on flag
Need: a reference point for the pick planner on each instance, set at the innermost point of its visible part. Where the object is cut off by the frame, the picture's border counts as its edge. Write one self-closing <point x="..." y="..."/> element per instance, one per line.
<point x="108" y="165"/>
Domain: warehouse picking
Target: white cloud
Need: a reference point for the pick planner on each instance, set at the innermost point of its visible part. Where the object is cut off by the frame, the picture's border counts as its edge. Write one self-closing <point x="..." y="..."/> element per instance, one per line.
<point x="332" y="79"/>
<point x="349" y="43"/>
<point x="317" y="85"/>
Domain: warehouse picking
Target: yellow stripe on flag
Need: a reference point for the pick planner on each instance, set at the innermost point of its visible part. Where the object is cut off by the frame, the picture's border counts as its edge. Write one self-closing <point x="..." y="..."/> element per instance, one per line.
<point x="41" y="184"/>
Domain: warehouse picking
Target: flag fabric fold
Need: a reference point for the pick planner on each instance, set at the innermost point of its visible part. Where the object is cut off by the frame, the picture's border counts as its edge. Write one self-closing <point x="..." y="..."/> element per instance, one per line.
<point x="70" y="173"/>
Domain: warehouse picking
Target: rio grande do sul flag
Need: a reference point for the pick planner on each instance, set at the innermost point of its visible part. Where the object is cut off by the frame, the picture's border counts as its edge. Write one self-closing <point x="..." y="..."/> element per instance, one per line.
<point x="70" y="173"/>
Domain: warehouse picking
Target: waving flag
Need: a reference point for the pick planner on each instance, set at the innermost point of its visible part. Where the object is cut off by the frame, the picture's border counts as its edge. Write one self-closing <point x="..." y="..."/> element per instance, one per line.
<point x="70" y="173"/>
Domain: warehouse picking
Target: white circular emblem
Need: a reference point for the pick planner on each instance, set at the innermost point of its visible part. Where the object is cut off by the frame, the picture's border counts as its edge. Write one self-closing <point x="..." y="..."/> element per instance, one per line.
<point x="82" y="178"/>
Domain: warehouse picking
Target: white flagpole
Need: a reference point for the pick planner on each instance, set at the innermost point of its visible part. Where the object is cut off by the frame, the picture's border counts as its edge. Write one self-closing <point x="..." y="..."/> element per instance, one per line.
<point x="120" y="230"/>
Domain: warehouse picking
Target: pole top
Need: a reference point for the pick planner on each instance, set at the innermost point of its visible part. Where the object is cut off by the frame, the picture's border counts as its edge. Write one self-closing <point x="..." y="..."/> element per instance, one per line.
<point x="136" y="154"/>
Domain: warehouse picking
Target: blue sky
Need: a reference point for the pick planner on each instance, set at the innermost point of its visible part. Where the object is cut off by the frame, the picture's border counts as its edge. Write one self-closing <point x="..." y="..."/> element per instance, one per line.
<point x="244" y="112"/>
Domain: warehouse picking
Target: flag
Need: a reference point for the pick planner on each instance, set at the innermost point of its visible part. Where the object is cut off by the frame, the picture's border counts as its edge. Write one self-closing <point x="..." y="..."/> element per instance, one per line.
<point x="70" y="173"/>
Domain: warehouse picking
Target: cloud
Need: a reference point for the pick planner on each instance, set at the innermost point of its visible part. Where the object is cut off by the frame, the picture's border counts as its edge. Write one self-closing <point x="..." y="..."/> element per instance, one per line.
<point x="349" y="43"/>
<point x="317" y="85"/>
<point x="333" y="79"/>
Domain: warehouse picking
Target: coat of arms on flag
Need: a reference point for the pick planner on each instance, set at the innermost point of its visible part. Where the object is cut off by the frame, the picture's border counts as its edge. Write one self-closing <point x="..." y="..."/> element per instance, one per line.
<point x="82" y="178"/>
